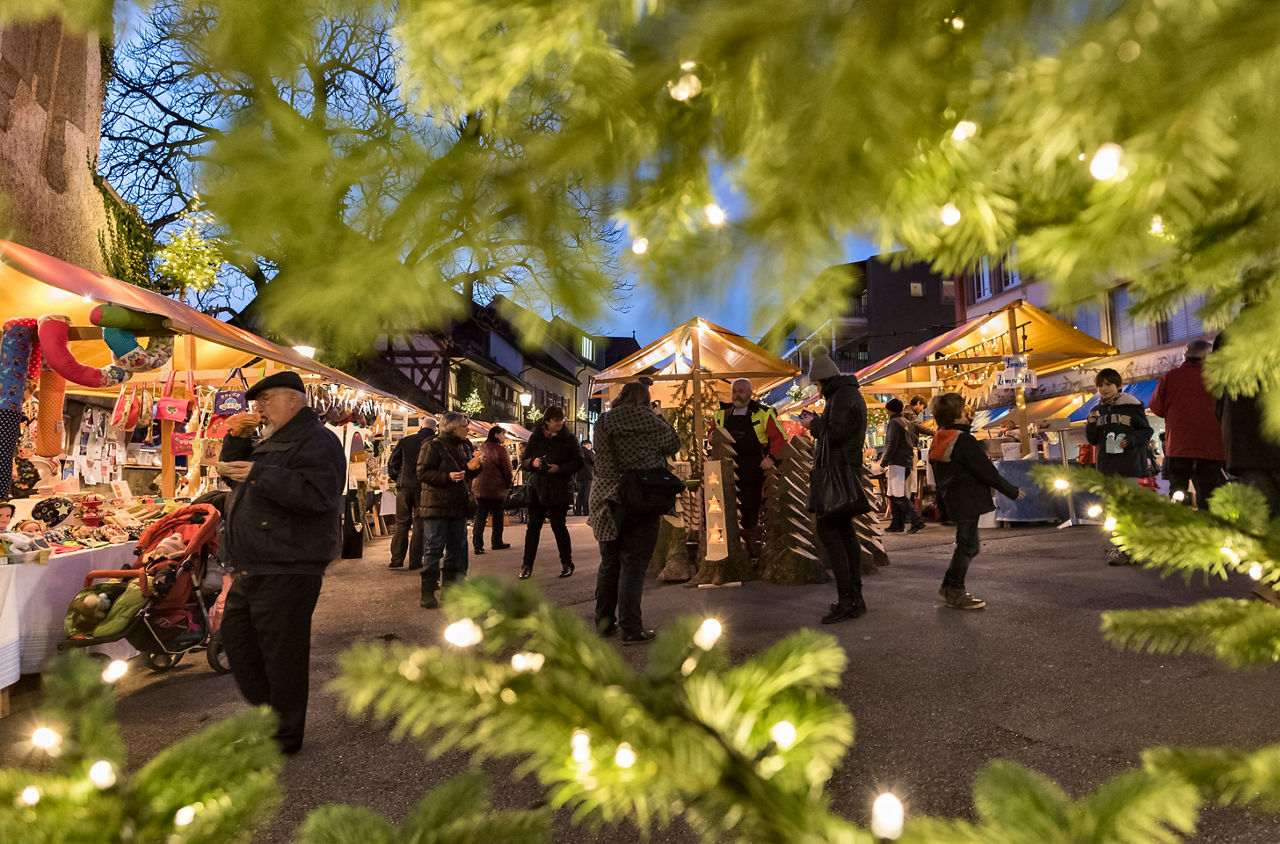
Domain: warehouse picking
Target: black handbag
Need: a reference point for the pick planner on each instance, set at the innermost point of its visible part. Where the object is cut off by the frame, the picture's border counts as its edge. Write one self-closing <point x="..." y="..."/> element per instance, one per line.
<point x="648" y="492"/>
<point x="518" y="498"/>
<point x="835" y="488"/>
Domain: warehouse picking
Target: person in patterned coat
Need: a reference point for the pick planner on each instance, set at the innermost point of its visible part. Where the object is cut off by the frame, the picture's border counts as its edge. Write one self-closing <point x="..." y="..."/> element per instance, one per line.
<point x="631" y="435"/>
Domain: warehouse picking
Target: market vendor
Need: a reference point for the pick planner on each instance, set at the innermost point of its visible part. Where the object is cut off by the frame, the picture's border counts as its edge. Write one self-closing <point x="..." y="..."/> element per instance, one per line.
<point x="757" y="440"/>
<point x="281" y="530"/>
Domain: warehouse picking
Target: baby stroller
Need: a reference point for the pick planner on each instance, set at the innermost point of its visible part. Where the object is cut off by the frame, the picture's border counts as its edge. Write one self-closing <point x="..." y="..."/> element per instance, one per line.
<point x="161" y="605"/>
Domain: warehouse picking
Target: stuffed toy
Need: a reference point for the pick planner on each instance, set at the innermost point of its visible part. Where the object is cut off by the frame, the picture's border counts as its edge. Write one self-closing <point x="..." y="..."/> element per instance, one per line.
<point x="52" y="511"/>
<point x="54" y="335"/>
<point x="172" y="547"/>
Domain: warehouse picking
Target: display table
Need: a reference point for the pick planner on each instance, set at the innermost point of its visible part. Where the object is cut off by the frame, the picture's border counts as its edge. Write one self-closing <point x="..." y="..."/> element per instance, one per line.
<point x="33" y="607"/>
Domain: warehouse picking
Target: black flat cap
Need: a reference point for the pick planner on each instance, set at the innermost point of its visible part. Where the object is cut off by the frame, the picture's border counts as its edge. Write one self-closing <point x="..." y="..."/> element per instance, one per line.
<point x="281" y="380"/>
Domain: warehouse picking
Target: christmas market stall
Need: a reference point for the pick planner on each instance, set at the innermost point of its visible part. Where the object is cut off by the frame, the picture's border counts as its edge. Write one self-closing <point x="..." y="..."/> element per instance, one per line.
<point x="993" y="360"/>
<point x="693" y="368"/>
<point x="110" y="402"/>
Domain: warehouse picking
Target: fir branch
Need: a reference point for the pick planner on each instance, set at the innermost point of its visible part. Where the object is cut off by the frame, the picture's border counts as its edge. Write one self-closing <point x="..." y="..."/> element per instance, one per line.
<point x="691" y="737"/>
<point x="1238" y="633"/>
<point x="1226" y="776"/>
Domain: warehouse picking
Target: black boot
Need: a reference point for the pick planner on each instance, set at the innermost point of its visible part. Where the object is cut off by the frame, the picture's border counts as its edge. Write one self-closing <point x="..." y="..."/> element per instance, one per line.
<point x="849" y="605"/>
<point x="566" y="569"/>
<point x="526" y="571"/>
<point x="429" y="588"/>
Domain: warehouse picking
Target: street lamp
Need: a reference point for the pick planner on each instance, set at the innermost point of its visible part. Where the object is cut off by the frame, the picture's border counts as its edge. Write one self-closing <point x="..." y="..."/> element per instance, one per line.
<point x="525" y="400"/>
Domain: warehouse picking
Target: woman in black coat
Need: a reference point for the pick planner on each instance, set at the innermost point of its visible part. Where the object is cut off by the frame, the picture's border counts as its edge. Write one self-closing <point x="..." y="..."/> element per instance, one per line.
<point x="550" y="459"/>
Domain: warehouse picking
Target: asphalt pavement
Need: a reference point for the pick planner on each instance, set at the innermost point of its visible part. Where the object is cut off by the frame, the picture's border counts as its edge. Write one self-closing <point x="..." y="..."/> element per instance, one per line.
<point x="936" y="693"/>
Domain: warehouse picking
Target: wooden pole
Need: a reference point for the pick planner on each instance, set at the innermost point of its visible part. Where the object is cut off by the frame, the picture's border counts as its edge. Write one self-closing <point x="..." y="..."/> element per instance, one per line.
<point x="1020" y="398"/>
<point x="699" y="425"/>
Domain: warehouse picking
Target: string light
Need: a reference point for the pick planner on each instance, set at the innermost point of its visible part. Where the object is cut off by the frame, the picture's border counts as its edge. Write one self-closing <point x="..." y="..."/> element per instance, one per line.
<point x="688" y="666"/>
<point x="625" y="757"/>
<point x="581" y="744"/>
<point x="30" y="796"/>
<point x="949" y="215"/>
<point x="1110" y="524"/>
<point x="715" y="215"/>
<point x="184" y="816"/>
<point x="102" y="774"/>
<point x="46" y="739"/>
<point x="1106" y="162"/>
<point x="463" y="634"/>
<point x="1179" y="496"/>
<point x="708" y="634"/>
<point x="887" y="816"/>
<point x="1061" y="484"/>
<point x="640" y="245"/>
<point x="116" y="669"/>
<point x="783" y="734"/>
<point x="1095" y="511"/>
<point x="964" y="130"/>
<point x="1157" y="225"/>
<point x="527" y="661"/>
<point x="957" y="23"/>
<point x="1255" y="571"/>
<point x="1230" y="553"/>
<point x="688" y="65"/>
<point x="685" y="88"/>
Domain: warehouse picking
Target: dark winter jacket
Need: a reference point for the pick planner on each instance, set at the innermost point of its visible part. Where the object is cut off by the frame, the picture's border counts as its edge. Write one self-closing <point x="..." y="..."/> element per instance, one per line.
<point x="560" y="450"/>
<point x="964" y="474"/>
<point x="1244" y="446"/>
<point x="1190" y="423"/>
<point x="843" y="426"/>
<point x="1125" y="417"/>
<point x="899" y="442"/>
<point x="628" y="436"/>
<point x="496" y="475"/>
<point x="588" y="470"/>
<point x="286" y="516"/>
<point x="443" y="497"/>
<point x="403" y="465"/>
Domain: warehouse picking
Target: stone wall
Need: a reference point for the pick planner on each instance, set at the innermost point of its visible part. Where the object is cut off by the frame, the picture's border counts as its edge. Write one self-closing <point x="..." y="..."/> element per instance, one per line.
<point x="50" y="125"/>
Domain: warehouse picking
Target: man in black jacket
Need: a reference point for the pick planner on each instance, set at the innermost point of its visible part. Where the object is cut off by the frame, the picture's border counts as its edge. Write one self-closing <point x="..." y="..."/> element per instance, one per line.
<point x="280" y="531"/>
<point x="550" y="459"/>
<point x="900" y="439"/>
<point x="965" y="479"/>
<point x="403" y="467"/>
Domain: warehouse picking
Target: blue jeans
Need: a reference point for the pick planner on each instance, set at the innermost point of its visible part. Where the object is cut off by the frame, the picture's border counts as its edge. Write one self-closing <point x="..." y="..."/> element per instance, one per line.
<point x="447" y="539"/>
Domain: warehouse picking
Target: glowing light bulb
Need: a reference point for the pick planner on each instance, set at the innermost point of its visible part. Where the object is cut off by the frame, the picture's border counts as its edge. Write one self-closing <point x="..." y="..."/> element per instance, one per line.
<point x="887" y="816"/>
<point x="625" y="757"/>
<point x="1179" y="496"/>
<point x="715" y="215"/>
<point x="708" y="634"/>
<point x="464" y="633"/>
<point x="30" y="796"/>
<point x="1157" y="225"/>
<point x="783" y="734"/>
<point x="1255" y="571"/>
<point x="640" y="245"/>
<point x="1109" y="524"/>
<point x="688" y="666"/>
<point x="950" y="214"/>
<point x="528" y="661"/>
<point x="688" y="65"/>
<point x="581" y="744"/>
<point x="114" y="671"/>
<point x="964" y="130"/>
<point x="957" y="23"/>
<point x="1106" y="162"/>
<point x="685" y="88"/>
<point x="102" y="774"/>
<point x="45" y="738"/>
<point x="1060" y="484"/>
<point x="1230" y="553"/>
<point x="184" y="816"/>
<point x="1094" y="511"/>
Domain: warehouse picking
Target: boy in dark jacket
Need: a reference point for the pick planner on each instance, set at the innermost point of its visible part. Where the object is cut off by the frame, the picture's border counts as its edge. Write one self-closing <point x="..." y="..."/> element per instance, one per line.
<point x="1119" y="428"/>
<point x="965" y="478"/>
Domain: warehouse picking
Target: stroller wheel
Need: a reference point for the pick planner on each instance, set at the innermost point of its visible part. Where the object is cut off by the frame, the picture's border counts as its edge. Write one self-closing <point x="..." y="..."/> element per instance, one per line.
<point x="161" y="661"/>
<point x="216" y="653"/>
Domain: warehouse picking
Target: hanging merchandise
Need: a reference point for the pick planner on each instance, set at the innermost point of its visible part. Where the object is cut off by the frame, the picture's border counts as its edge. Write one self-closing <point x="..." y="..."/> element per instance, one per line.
<point x="230" y="402"/>
<point x="17" y="339"/>
<point x="54" y="332"/>
<point x="50" y="436"/>
<point x="170" y="409"/>
<point x="125" y="414"/>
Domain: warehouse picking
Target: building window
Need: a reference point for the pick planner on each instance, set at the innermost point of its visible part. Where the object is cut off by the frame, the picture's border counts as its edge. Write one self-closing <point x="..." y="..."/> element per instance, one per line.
<point x="588" y="349"/>
<point x="1127" y="335"/>
<point x="1183" y="324"/>
<point x="990" y="277"/>
<point x="1088" y="318"/>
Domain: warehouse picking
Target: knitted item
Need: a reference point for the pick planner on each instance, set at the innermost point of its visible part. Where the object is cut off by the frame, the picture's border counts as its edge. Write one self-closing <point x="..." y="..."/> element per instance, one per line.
<point x="17" y="339"/>
<point x="54" y="336"/>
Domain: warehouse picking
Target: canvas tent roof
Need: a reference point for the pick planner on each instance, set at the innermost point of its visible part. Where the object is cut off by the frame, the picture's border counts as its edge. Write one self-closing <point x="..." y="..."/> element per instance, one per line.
<point x="723" y="355"/>
<point x="33" y="284"/>
<point x="1050" y="344"/>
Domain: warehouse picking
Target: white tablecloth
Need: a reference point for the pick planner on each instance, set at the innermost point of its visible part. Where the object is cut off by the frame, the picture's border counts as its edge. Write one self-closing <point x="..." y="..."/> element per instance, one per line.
<point x="33" y="607"/>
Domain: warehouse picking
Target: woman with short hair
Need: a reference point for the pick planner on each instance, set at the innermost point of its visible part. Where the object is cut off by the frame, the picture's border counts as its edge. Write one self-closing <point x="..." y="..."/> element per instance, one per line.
<point x="446" y="466"/>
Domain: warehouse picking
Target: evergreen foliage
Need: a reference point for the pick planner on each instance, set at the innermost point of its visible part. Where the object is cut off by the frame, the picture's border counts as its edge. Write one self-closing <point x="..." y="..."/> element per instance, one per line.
<point x="191" y="259"/>
<point x="740" y="751"/>
<point x="208" y="787"/>
<point x="473" y="405"/>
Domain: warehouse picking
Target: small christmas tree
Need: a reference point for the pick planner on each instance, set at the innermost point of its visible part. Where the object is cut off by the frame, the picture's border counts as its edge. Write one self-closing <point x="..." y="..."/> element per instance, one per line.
<point x="473" y="406"/>
<point x="192" y="257"/>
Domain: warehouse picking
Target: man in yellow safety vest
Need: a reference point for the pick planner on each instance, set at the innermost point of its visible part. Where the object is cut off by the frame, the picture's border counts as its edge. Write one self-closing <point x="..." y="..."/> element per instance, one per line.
<point x="758" y="440"/>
